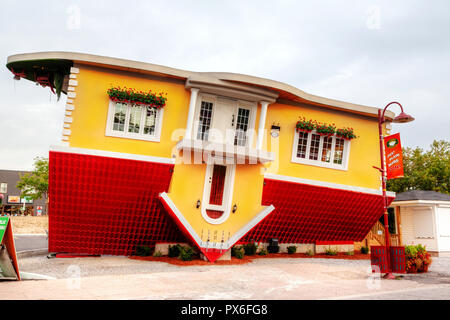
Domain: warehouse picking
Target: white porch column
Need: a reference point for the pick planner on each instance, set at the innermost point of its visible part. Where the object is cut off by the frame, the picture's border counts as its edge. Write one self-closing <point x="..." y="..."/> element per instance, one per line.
<point x="262" y="122"/>
<point x="190" y="119"/>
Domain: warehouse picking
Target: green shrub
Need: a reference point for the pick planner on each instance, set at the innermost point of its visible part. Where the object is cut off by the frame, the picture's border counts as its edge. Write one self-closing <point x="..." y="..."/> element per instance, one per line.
<point x="237" y="252"/>
<point x="250" y="249"/>
<point x="186" y="253"/>
<point x="309" y="253"/>
<point x="350" y="253"/>
<point x="331" y="252"/>
<point x="143" y="251"/>
<point x="292" y="249"/>
<point x="157" y="254"/>
<point x="174" y="251"/>
<point x="364" y="250"/>
<point x="262" y="252"/>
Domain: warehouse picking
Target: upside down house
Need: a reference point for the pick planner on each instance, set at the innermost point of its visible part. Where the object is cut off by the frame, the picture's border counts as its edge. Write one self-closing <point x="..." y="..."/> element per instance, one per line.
<point x="152" y="154"/>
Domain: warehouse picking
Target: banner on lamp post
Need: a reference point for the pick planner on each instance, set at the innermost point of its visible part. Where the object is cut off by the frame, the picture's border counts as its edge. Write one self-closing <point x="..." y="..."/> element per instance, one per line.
<point x="394" y="156"/>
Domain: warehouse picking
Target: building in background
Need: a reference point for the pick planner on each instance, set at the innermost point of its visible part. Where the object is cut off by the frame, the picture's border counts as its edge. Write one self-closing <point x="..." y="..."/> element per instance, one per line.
<point x="12" y="203"/>
<point x="423" y="217"/>
<point x="152" y="154"/>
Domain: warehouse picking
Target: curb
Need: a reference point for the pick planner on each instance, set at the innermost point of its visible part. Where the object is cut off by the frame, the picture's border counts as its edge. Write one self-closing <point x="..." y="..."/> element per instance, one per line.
<point x="31" y="253"/>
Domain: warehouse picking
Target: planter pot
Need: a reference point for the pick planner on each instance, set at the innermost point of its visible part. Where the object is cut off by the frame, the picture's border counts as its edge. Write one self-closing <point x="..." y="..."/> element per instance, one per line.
<point x="325" y="134"/>
<point x="303" y="130"/>
<point x="413" y="269"/>
<point x="345" y="138"/>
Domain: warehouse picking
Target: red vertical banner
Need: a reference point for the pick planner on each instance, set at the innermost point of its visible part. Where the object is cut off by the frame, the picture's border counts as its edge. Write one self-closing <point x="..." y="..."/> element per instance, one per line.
<point x="394" y="156"/>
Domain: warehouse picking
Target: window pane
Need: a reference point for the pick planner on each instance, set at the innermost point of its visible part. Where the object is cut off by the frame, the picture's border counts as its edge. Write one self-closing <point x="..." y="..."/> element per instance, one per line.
<point x="338" y="151"/>
<point x="3" y="187"/>
<point x="302" y="141"/>
<point x="326" y="149"/>
<point x="217" y="185"/>
<point x="120" y="111"/>
<point x="150" y="121"/>
<point x="314" y="148"/>
<point x="135" y="119"/>
<point x="204" y="120"/>
<point x="240" y="138"/>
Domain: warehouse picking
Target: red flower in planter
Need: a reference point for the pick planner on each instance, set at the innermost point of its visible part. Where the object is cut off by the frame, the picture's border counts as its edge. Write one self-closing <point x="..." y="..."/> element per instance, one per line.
<point x="326" y="129"/>
<point x="129" y="95"/>
<point x="305" y="125"/>
<point x="346" y="133"/>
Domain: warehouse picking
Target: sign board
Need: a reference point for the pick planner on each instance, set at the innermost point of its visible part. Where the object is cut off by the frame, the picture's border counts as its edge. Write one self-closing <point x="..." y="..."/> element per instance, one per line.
<point x="9" y="268"/>
<point x="394" y="156"/>
<point x="13" y="199"/>
<point x="3" y="225"/>
<point x="26" y="200"/>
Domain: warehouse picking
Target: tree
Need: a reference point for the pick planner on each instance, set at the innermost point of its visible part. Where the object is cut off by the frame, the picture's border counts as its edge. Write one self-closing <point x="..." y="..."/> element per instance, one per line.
<point x="425" y="170"/>
<point x="34" y="185"/>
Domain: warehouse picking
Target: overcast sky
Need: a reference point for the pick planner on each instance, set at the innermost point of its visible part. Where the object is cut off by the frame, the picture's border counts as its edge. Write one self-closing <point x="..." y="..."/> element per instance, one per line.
<point x="365" y="52"/>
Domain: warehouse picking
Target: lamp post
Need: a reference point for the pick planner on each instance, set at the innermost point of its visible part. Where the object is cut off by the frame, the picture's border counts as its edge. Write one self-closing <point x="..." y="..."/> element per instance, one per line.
<point x="401" y="118"/>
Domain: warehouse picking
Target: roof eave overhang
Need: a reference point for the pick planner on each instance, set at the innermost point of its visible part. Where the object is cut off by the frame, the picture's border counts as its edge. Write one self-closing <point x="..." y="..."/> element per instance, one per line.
<point x="419" y="202"/>
<point x="290" y="92"/>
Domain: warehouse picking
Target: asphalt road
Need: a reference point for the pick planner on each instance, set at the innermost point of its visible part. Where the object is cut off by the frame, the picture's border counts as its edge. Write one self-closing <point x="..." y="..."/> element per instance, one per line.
<point x="30" y="242"/>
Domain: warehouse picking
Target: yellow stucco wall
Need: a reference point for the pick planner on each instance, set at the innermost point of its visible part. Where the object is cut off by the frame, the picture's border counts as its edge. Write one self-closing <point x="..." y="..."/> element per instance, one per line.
<point x="187" y="187"/>
<point x="364" y="150"/>
<point x="89" y="126"/>
<point x="91" y="110"/>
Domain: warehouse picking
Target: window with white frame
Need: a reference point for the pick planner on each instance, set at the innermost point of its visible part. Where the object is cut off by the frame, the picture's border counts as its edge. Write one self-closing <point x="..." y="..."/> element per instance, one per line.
<point x="319" y="150"/>
<point x="127" y="120"/>
<point x="3" y="187"/>
<point x="204" y="120"/>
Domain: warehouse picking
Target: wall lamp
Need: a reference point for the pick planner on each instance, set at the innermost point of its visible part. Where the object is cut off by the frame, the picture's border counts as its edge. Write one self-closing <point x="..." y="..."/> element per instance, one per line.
<point x="275" y="130"/>
<point x="234" y="208"/>
<point x="198" y="204"/>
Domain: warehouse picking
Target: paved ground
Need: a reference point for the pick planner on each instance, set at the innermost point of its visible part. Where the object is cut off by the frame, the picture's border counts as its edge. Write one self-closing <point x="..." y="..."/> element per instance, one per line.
<point x="30" y="242"/>
<point x="123" y="278"/>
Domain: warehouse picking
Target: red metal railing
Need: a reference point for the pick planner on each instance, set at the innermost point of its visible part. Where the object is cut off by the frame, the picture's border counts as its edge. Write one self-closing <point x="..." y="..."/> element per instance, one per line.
<point x="397" y="256"/>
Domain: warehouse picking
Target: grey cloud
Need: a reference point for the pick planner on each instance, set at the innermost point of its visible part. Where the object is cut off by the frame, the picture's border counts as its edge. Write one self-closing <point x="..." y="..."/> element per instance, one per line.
<point x="323" y="47"/>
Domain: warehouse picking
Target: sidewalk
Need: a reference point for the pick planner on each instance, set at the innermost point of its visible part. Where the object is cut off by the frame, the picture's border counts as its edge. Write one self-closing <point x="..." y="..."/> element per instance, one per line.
<point x="262" y="279"/>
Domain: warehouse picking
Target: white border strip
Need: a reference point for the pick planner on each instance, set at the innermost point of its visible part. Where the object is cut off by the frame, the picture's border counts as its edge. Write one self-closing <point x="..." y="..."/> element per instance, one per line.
<point x="326" y="184"/>
<point x="181" y="218"/>
<point x="215" y="245"/>
<point x="257" y="219"/>
<point x="110" y="154"/>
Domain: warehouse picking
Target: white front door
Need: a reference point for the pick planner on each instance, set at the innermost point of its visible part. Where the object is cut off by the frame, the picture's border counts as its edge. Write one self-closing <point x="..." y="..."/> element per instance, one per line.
<point x="223" y="122"/>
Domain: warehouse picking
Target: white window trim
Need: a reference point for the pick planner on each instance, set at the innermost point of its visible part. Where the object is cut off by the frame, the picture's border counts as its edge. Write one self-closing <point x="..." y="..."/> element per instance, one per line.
<point x="128" y="135"/>
<point x="240" y="104"/>
<point x="206" y="98"/>
<point x="227" y="194"/>
<point x="4" y="186"/>
<point x="251" y="121"/>
<point x="319" y="163"/>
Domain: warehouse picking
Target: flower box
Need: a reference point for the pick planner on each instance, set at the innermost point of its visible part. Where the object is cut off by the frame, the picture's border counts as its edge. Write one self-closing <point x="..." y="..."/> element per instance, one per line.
<point x="129" y="95"/>
<point x="305" y="125"/>
<point x="417" y="259"/>
<point x="345" y="133"/>
<point x="324" y="129"/>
